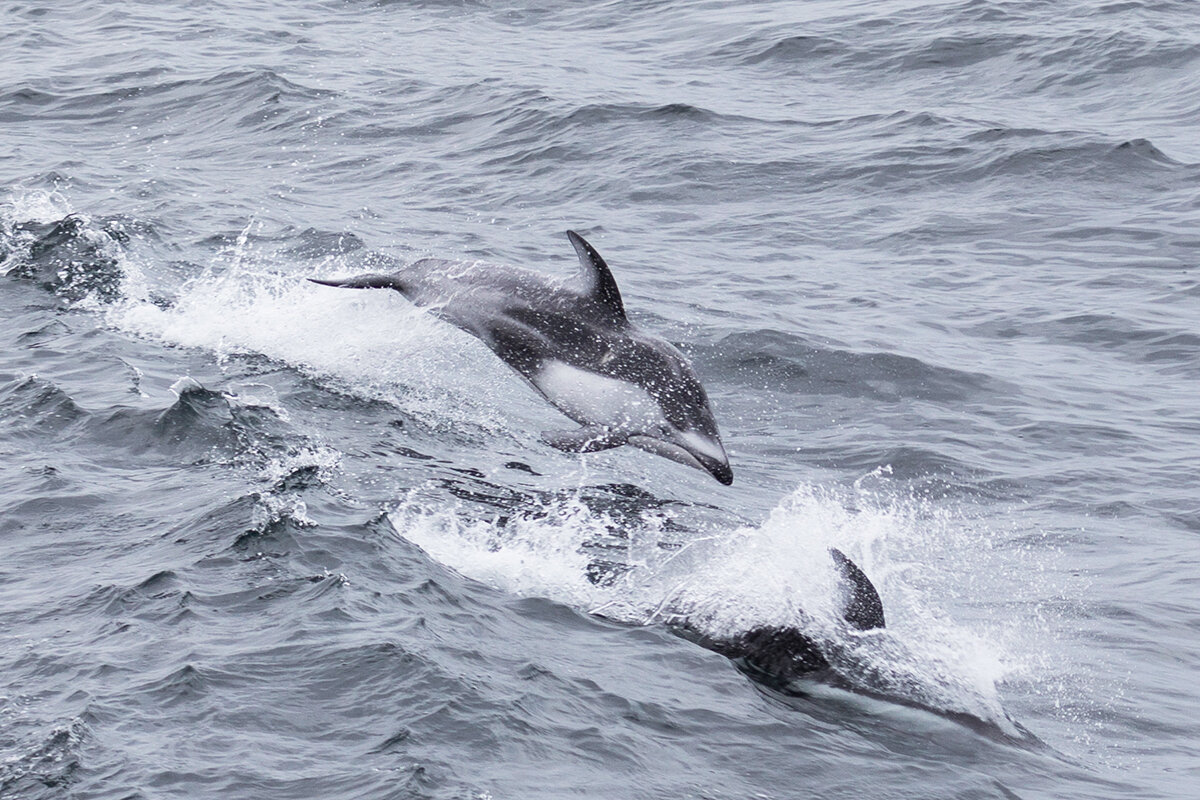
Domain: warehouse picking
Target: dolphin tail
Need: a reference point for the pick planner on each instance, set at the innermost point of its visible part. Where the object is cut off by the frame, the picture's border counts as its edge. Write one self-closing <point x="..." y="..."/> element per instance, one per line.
<point x="371" y="281"/>
<point x="861" y="606"/>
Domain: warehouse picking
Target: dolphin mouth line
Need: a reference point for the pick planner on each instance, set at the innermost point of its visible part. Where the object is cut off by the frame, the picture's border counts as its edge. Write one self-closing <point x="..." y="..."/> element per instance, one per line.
<point x="719" y="469"/>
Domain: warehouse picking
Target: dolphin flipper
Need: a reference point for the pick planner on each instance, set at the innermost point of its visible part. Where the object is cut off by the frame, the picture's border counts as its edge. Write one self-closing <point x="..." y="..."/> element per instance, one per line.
<point x="588" y="439"/>
<point x="862" y="607"/>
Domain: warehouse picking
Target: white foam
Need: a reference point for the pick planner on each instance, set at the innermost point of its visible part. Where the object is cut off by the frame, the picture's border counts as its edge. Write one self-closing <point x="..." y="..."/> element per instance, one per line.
<point x="374" y="341"/>
<point x="529" y="556"/>
<point x="33" y="205"/>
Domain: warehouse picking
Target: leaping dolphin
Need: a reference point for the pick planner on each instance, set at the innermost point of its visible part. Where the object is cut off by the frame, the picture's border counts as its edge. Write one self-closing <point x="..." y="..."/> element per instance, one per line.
<point x="572" y="342"/>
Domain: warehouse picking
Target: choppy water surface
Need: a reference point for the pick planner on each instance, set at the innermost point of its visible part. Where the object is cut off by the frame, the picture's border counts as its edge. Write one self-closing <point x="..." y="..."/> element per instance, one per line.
<point x="934" y="261"/>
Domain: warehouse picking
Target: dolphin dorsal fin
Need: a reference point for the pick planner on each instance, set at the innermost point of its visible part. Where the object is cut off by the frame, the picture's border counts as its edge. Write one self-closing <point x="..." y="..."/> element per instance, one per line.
<point x="599" y="283"/>
<point x="862" y="607"/>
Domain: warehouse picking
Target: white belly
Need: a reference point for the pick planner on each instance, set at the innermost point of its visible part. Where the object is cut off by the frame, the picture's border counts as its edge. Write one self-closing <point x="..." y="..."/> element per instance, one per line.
<point x="592" y="399"/>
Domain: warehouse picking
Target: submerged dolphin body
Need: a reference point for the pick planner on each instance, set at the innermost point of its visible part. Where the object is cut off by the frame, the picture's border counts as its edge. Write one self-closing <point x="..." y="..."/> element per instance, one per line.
<point x="776" y="655"/>
<point x="574" y="345"/>
<point x="857" y="658"/>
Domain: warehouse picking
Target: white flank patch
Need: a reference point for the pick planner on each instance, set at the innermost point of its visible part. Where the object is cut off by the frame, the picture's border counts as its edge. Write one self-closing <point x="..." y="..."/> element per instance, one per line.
<point x="592" y="399"/>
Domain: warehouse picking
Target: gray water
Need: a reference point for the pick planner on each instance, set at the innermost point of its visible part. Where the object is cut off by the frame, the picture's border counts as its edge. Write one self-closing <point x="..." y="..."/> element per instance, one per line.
<point x="935" y="263"/>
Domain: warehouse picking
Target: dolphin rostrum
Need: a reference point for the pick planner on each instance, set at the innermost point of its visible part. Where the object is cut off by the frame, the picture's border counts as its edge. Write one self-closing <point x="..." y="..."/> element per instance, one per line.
<point x="572" y="342"/>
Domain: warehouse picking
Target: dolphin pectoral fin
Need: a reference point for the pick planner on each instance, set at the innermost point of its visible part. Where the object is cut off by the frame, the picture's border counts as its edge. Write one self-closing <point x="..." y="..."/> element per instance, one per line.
<point x="588" y="439"/>
<point x="371" y="281"/>
<point x="861" y="606"/>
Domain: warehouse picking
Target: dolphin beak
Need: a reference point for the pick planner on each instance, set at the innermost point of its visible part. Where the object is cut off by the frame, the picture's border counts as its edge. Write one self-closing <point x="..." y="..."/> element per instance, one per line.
<point x="719" y="470"/>
<point x="691" y="449"/>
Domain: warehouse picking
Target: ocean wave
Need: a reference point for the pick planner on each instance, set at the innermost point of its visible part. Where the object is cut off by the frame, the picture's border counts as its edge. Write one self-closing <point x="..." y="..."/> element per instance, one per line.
<point x="163" y="104"/>
<point x="45" y="765"/>
<point x="778" y="361"/>
<point x="932" y="262"/>
<point x="972" y="33"/>
<point x="34" y="405"/>
<point x="73" y="257"/>
<point x="1140" y="341"/>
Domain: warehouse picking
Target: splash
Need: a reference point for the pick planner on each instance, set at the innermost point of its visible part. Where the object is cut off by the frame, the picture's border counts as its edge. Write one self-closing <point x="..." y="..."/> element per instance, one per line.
<point x="249" y="301"/>
<point x="243" y="303"/>
<point x="72" y="255"/>
<point x="33" y="205"/>
<point x="539" y="553"/>
<point x="776" y="573"/>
